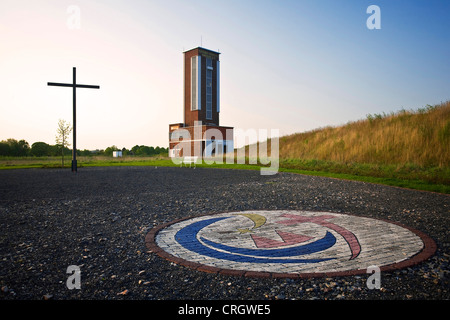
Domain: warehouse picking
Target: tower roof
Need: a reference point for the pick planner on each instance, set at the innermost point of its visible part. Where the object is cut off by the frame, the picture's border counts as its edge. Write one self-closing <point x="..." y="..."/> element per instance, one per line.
<point x="201" y="48"/>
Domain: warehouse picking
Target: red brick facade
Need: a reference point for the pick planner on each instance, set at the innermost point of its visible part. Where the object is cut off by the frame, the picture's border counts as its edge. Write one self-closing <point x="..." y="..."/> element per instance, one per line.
<point x="200" y="115"/>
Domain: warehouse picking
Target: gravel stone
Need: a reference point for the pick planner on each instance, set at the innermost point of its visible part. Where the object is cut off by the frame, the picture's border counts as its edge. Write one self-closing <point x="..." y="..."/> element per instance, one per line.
<point x="98" y="218"/>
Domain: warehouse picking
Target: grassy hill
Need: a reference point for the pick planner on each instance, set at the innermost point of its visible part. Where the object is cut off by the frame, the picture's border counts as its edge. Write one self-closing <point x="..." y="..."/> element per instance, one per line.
<point x="406" y="148"/>
<point x="419" y="137"/>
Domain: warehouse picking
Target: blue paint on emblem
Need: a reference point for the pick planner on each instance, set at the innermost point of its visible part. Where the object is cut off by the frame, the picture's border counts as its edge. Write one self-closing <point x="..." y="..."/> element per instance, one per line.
<point x="187" y="237"/>
<point x="322" y="244"/>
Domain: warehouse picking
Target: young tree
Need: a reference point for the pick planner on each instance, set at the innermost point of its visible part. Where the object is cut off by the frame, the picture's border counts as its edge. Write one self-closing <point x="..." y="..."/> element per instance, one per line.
<point x="62" y="136"/>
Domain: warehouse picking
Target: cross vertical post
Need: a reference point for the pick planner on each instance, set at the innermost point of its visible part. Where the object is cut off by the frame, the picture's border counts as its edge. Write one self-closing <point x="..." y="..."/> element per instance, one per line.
<point x="74" y="86"/>
<point x="74" y="130"/>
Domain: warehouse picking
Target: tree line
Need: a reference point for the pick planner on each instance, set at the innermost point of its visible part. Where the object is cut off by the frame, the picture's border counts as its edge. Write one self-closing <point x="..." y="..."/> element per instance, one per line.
<point x="136" y="151"/>
<point x="21" y="148"/>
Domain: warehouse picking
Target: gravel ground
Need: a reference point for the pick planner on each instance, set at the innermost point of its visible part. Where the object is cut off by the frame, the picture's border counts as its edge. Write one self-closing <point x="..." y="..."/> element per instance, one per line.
<point x="97" y="219"/>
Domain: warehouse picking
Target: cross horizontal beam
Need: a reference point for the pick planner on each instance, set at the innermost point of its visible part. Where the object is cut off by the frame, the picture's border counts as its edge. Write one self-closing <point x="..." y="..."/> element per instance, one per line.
<point x="71" y="85"/>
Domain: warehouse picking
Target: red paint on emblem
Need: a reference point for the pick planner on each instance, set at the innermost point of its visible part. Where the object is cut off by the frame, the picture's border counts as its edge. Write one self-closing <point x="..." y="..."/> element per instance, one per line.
<point x="320" y="220"/>
<point x="287" y="237"/>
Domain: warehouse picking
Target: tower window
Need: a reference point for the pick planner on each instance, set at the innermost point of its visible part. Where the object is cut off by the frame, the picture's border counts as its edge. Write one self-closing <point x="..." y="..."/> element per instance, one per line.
<point x="209" y="69"/>
<point x="195" y="83"/>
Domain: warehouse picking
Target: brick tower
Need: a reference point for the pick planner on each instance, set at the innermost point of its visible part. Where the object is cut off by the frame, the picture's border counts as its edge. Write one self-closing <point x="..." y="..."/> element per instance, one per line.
<point x="201" y="108"/>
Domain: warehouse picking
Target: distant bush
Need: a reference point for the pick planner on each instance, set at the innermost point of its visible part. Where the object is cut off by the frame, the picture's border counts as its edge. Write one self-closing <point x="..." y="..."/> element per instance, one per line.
<point x="148" y="151"/>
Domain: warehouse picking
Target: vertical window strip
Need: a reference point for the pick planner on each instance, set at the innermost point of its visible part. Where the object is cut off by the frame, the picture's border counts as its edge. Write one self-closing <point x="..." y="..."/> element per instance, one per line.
<point x="194" y="83"/>
<point x="208" y="89"/>
<point x="217" y="85"/>
<point x="199" y="82"/>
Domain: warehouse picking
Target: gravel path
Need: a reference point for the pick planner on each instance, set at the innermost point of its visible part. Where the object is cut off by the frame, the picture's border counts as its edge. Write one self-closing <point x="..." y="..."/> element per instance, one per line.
<point x="98" y="219"/>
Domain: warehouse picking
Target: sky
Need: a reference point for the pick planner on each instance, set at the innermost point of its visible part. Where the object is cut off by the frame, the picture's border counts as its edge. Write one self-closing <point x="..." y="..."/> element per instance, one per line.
<point x="287" y="65"/>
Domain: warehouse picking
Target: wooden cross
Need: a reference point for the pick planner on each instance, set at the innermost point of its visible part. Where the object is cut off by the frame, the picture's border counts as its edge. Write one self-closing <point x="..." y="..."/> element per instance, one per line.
<point x="74" y="85"/>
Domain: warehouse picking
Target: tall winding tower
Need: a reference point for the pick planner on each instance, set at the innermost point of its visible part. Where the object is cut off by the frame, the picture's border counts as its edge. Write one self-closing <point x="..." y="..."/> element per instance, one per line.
<point x="202" y="107"/>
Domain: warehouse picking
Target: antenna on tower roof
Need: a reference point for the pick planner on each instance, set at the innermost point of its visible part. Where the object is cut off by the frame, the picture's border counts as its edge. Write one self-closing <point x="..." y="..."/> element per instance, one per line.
<point x="201" y="41"/>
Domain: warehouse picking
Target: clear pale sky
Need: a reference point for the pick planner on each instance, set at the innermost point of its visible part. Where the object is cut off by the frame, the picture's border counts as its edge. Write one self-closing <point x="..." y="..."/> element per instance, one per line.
<point x="287" y="65"/>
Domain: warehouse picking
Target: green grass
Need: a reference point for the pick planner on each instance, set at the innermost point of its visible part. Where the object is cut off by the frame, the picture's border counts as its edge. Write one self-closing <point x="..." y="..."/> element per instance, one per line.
<point x="55" y="162"/>
<point x="410" y="176"/>
<point x="395" y="182"/>
<point x="436" y="179"/>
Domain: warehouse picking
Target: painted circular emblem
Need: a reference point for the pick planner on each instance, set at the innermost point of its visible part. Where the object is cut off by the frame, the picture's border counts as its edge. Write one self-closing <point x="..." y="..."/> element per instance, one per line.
<point x="289" y="243"/>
